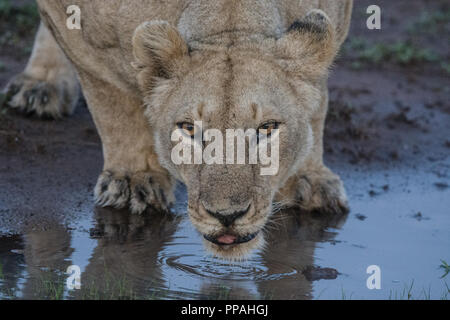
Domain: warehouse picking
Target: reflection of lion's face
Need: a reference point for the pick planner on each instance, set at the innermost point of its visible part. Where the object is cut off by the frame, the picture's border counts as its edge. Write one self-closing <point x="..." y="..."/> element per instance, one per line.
<point x="239" y="86"/>
<point x="233" y="92"/>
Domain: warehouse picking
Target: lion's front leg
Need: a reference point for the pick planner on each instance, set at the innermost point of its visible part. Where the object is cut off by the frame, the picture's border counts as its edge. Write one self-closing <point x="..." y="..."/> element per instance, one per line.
<point x="315" y="187"/>
<point x="132" y="175"/>
<point x="48" y="86"/>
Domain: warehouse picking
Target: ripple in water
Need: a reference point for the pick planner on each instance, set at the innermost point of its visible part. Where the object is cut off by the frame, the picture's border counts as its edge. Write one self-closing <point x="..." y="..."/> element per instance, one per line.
<point x="207" y="267"/>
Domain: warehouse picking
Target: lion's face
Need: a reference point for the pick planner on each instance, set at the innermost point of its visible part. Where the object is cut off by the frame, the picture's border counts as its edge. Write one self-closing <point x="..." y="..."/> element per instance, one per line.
<point x="237" y="88"/>
<point x="229" y="203"/>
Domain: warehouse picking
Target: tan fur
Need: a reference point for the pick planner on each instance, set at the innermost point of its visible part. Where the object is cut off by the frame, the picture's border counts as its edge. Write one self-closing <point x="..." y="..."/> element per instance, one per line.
<point x="215" y="61"/>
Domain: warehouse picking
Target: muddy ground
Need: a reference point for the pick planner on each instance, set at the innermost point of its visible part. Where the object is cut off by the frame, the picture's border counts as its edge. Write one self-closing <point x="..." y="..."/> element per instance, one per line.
<point x="387" y="135"/>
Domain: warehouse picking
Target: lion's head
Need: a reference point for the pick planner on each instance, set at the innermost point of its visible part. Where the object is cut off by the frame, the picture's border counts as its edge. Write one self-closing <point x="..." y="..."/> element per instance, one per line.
<point x="270" y="84"/>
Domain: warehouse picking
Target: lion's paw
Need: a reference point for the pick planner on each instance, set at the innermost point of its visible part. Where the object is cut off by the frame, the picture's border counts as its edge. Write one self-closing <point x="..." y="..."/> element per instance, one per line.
<point x="138" y="191"/>
<point x="47" y="99"/>
<point x="322" y="191"/>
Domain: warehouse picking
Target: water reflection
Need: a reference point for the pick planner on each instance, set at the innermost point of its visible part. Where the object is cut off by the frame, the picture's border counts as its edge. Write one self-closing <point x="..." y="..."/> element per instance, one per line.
<point x="47" y="256"/>
<point x="125" y="264"/>
<point x="11" y="265"/>
<point x="32" y="266"/>
<point x="161" y="256"/>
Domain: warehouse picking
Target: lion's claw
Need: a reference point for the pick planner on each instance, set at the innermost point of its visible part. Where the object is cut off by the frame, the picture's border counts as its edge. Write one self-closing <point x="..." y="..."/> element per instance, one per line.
<point x="138" y="191"/>
<point x="46" y="99"/>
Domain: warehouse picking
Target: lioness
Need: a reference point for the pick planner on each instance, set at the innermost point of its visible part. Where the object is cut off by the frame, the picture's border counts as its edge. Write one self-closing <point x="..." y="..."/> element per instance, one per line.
<point x="147" y="67"/>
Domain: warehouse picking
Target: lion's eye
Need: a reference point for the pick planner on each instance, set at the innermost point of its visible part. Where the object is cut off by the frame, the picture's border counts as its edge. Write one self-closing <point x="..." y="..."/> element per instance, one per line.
<point x="188" y="127"/>
<point x="267" y="128"/>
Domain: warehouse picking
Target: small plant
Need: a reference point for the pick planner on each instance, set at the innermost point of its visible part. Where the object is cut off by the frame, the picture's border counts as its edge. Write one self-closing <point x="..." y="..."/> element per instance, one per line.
<point x="446" y="268"/>
<point x="23" y="17"/>
<point x="400" y="52"/>
<point x="50" y="288"/>
<point x="431" y="22"/>
<point x="5" y="8"/>
<point x="446" y="66"/>
<point x="54" y="290"/>
<point x="446" y="293"/>
<point x="409" y="293"/>
<point x="109" y="287"/>
<point x="344" y="295"/>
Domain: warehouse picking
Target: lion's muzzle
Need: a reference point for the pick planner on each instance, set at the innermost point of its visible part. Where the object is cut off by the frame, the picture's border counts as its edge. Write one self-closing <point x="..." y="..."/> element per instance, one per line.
<point x="228" y="218"/>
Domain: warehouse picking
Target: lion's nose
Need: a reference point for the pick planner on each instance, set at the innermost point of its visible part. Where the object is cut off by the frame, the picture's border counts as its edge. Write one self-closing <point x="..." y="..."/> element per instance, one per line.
<point x="227" y="218"/>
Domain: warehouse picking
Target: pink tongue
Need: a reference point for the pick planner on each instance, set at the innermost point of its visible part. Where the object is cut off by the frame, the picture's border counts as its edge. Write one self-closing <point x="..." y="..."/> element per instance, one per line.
<point x="226" y="239"/>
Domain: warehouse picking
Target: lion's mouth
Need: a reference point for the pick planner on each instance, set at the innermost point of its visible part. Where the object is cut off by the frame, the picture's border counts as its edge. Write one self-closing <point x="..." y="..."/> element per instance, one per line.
<point x="229" y="239"/>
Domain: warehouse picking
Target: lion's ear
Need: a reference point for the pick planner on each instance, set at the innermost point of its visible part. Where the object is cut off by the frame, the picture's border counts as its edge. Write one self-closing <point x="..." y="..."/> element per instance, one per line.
<point x="159" y="51"/>
<point x="309" y="46"/>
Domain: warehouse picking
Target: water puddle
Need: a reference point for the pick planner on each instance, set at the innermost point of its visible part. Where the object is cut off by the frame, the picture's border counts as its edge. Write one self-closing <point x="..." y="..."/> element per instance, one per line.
<point x="403" y="229"/>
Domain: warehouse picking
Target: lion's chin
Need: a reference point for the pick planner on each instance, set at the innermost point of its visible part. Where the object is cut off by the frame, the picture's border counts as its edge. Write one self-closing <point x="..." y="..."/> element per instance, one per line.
<point x="240" y="251"/>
